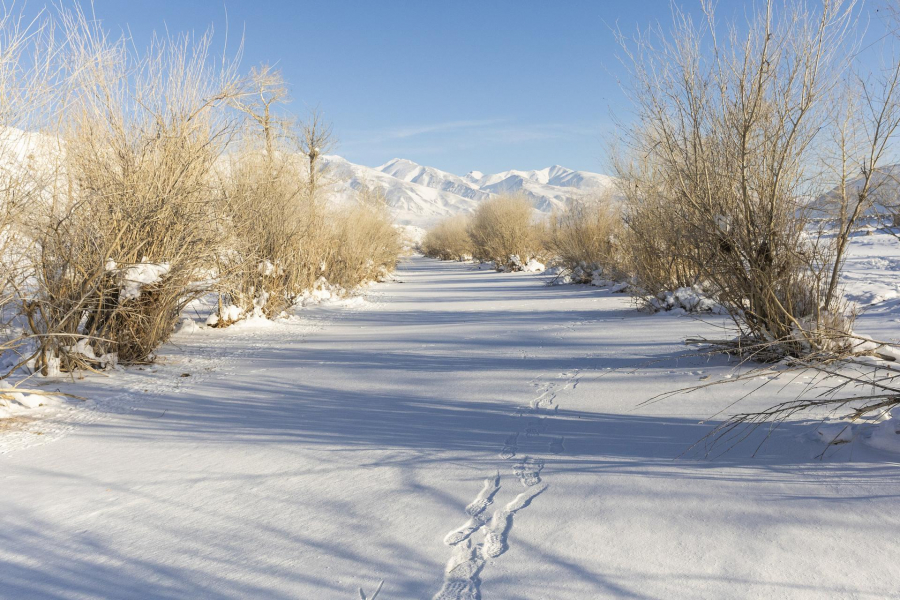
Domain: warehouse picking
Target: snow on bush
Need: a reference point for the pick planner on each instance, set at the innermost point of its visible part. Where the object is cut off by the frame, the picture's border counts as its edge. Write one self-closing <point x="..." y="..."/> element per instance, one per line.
<point x="515" y="264"/>
<point x="134" y="277"/>
<point x="688" y="299"/>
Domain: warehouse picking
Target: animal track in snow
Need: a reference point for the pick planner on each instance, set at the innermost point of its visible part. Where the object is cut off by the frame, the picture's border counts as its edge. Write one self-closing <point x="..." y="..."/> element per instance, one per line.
<point x="495" y="536"/>
<point x="528" y="471"/>
<point x="475" y="511"/>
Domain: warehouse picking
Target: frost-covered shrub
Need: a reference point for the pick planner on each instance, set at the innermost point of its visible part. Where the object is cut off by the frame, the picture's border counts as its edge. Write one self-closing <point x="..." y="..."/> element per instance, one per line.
<point x="366" y="244"/>
<point x="585" y="239"/>
<point x="502" y="228"/>
<point x="718" y="164"/>
<point x="128" y="227"/>
<point x="449" y="239"/>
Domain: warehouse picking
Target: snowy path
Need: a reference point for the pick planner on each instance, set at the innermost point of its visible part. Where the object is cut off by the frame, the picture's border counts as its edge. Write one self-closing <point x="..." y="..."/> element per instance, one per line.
<point x="468" y="434"/>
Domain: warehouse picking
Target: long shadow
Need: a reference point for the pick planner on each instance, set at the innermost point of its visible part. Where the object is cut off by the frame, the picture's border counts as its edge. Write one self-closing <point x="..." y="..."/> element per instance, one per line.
<point x="416" y="430"/>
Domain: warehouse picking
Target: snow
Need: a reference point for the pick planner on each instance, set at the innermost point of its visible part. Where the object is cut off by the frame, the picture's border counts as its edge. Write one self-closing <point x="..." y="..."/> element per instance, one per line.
<point x="456" y="433"/>
<point x="133" y="278"/>
<point x="14" y="403"/>
<point x="420" y="195"/>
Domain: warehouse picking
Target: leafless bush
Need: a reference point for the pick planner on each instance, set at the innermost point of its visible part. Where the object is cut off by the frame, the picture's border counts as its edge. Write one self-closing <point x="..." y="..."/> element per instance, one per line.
<point x="449" y="239"/>
<point x="130" y="227"/>
<point x="721" y="162"/>
<point x="503" y="231"/>
<point x="267" y="221"/>
<point x="27" y="72"/>
<point x="366" y="244"/>
<point x="586" y="237"/>
<point x="272" y="220"/>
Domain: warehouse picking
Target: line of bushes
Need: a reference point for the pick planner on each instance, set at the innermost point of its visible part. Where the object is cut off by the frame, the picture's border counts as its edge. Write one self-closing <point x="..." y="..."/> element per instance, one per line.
<point x="132" y="183"/>
<point x="718" y="174"/>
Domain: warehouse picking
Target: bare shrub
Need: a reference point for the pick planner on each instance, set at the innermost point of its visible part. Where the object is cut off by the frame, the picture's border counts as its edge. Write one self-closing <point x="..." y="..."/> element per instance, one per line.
<point x="366" y="244"/>
<point x="130" y="228"/>
<point x="503" y="231"/>
<point x="273" y="222"/>
<point x="266" y="220"/>
<point x="449" y="239"/>
<point x="27" y="74"/>
<point x="586" y="237"/>
<point x="721" y="162"/>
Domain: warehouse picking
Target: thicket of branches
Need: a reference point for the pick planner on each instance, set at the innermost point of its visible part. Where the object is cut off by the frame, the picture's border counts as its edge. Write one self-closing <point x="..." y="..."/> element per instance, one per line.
<point x="449" y="239"/>
<point x="502" y="230"/>
<point x="756" y="149"/>
<point x="586" y="238"/>
<point x="737" y="128"/>
<point x="136" y="181"/>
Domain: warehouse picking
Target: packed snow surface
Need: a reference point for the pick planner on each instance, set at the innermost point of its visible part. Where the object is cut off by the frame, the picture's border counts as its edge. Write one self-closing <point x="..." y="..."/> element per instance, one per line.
<point x="457" y="433"/>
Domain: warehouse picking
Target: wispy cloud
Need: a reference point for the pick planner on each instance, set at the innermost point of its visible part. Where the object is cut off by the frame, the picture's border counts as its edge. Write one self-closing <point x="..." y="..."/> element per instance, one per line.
<point x="402" y="133"/>
<point x="446" y="127"/>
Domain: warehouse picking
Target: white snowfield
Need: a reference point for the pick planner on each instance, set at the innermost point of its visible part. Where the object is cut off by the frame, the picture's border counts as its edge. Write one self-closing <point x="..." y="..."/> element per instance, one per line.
<point x="458" y="434"/>
<point x="420" y="195"/>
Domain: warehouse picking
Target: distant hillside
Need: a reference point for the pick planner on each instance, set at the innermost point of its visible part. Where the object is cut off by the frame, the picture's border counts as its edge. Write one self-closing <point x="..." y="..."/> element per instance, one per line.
<point x="420" y="195"/>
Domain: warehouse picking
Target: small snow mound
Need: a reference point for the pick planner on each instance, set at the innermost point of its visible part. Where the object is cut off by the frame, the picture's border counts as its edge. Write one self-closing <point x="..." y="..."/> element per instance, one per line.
<point x="533" y="266"/>
<point x="14" y="403"/>
<point x="685" y="300"/>
<point x="886" y="434"/>
<point x="835" y="432"/>
<point x="189" y="326"/>
<point x="229" y="314"/>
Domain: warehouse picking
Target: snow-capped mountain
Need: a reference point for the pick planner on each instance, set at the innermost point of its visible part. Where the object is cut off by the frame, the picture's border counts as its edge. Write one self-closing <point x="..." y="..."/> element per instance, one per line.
<point x="420" y="195"/>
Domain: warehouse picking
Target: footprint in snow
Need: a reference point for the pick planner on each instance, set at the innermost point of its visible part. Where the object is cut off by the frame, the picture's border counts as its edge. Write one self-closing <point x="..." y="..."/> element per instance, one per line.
<point x="475" y="511"/>
<point x="461" y="575"/>
<point x="497" y="531"/>
<point x="528" y="471"/>
<point x="556" y="446"/>
<point x="510" y="446"/>
<point x="535" y="427"/>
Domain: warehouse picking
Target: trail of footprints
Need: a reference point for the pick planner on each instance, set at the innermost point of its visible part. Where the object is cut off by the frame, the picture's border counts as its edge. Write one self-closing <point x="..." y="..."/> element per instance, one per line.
<point x="461" y="575"/>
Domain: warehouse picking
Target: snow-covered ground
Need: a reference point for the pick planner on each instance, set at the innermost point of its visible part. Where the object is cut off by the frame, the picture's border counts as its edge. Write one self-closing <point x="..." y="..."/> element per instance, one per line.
<point x="458" y="433"/>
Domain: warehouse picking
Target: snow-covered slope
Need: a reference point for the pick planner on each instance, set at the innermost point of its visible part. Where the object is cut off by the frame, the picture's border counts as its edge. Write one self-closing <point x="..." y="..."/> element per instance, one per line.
<point x="420" y="195"/>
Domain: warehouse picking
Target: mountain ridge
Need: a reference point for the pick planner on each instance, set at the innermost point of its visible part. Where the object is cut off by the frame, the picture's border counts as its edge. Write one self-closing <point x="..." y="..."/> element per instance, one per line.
<point x="421" y="195"/>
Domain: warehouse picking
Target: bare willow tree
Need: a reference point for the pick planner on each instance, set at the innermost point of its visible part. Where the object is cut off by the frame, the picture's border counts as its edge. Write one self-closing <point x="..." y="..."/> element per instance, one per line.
<point x="764" y="159"/>
<point x="724" y="153"/>
<point x="266" y="91"/>
<point x="129" y="229"/>
<point x="316" y="138"/>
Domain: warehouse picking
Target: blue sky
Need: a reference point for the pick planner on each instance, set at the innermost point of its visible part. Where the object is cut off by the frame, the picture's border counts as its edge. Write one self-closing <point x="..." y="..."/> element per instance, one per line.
<point x="459" y="85"/>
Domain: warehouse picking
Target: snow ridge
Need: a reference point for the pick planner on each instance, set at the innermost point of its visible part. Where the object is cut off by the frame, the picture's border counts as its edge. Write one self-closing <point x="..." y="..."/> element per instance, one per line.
<point x="420" y="195"/>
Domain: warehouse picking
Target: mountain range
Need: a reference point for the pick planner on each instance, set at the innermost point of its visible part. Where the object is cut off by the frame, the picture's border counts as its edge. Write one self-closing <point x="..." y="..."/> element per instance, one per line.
<point x="420" y="195"/>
